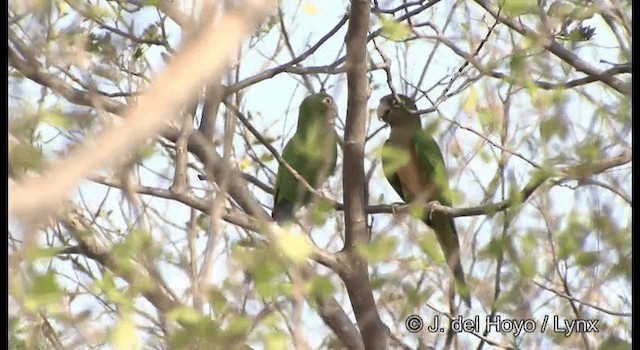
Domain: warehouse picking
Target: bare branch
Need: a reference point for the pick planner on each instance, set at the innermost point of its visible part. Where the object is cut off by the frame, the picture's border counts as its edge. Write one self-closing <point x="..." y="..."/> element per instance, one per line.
<point x="74" y="221"/>
<point x="549" y="43"/>
<point x="180" y="169"/>
<point x="270" y="73"/>
<point x="161" y="103"/>
<point x="575" y="172"/>
<point x="624" y="68"/>
<point x="571" y="298"/>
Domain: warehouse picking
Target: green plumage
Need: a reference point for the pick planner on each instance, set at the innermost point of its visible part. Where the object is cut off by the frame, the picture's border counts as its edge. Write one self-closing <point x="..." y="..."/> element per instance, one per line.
<point x="312" y="152"/>
<point x="422" y="177"/>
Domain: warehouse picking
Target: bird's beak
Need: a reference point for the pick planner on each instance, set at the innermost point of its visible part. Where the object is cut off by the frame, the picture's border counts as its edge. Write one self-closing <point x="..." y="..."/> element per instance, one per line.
<point x="383" y="111"/>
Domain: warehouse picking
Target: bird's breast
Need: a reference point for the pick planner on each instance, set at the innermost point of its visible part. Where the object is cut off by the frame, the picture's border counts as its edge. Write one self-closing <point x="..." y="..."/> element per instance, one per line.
<point x="414" y="180"/>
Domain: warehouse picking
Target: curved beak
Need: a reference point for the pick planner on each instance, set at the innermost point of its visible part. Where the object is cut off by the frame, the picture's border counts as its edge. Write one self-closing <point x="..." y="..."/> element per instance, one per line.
<point x="383" y="111"/>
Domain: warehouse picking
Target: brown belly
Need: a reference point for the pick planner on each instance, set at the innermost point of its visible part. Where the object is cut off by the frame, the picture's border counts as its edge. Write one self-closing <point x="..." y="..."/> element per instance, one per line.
<point x="413" y="187"/>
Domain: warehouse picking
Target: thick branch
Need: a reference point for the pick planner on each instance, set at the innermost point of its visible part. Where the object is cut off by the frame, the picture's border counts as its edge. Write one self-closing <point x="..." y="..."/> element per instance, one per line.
<point x="375" y="334"/>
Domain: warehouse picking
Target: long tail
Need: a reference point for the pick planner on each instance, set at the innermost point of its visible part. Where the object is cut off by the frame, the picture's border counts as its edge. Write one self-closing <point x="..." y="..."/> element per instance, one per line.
<point x="282" y="212"/>
<point x="461" y="284"/>
<point x="445" y="230"/>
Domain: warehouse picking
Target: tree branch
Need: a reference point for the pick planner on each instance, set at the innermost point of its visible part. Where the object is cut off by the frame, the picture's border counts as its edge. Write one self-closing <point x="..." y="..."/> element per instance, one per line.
<point x="575" y="172"/>
<point x="171" y="90"/>
<point x="549" y="43"/>
<point x="571" y="298"/>
<point x="484" y="70"/>
<point x="375" y="334"/>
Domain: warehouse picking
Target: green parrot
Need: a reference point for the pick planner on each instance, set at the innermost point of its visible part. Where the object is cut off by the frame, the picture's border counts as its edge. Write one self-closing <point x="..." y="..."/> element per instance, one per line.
<point x="312" y="152"/>
<point x="422" y="177"/>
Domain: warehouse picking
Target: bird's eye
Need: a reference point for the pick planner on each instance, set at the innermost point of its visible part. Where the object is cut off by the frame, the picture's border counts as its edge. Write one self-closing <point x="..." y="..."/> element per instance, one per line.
<point x="327" y="101"/>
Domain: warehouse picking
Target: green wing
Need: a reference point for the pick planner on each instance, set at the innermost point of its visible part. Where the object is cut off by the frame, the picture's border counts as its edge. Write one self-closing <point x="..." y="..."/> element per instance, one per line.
<point x="312" y="162"/>
<point x="391" y="163"/>
<point x="431" y="161"/>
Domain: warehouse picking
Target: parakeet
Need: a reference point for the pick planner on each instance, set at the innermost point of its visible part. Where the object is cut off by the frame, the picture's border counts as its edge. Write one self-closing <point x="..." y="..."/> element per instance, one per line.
<point x="312" y="152"/>
<point x="422" y="177"/>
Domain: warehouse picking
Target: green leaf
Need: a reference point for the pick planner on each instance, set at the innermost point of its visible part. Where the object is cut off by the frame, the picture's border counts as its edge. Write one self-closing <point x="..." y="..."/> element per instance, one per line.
<point x="393" y="30"/>
<point x="582" y="13"/>
<point x="393" y="158"/>
<point x="378" y="283"/>
<point x="520" y="7"/>
<point x="622" y="268"/>
<point x="560" y="9"/>
<point x="57" y="119"/>
<point x="24" y="127"/>
<point x="310" y="8"/>
<point x="488" y="119"/>
<point x="217" y="300"/>
<point x="527" y="266"/>
<point x="39" y="252"/>
<point x="590" y="149"/>
<point x="530" y="241"/>
<point x="552" y="127"/>
<point x="145" y="152"/>
<point x="322" y="210"/>
<point x="153" y="3"/>
<point x="295" y="246"/>
<point x="380" y="249"/>
<point x="320" y="287"/>
<point x="266" y="157"/>
<point x="580" y="33"/>
<point x="238" y="326"/>
<point x="518" y="64"/>
<point x="139" y="52"/>
<point x="123" y="335"/>
<point x="497" y="246"/>
<point x="515" y="196"/>
<point x="456" y="196"/>
<point x="471" y="102"/>
<point x="107" y="285"/>
<point x="184" y="315"/>
<point x="431" y="128"/>
<point x="587" y="259"/>
<point x="197" y="330"/>
<point x="276" y="340"/>
<point x="613" y="342"/>
<point x="24" y="157"/>
<point x="17" y="334"/>
<point x="203" y="222"/>
<point x="43" y="290"/>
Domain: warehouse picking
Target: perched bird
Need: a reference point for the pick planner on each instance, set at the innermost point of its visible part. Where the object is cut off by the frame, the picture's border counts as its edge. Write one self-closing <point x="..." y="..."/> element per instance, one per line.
<point x="312" y="152"/>
<point x="423" y="177"/>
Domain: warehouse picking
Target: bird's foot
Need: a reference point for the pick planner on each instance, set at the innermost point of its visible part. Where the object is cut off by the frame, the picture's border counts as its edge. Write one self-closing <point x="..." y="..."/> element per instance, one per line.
<point x="395" y="207"/>
<point x="431" y="207"/>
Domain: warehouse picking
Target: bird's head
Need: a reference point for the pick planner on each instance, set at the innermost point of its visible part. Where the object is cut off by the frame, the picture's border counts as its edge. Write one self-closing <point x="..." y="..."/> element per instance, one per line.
<point x="319" y="105"/>
<point x="394" y="111"/>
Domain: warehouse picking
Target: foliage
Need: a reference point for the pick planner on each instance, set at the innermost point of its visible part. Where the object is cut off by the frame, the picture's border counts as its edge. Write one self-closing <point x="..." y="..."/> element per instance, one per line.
<point x="532" y="113"/>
